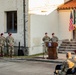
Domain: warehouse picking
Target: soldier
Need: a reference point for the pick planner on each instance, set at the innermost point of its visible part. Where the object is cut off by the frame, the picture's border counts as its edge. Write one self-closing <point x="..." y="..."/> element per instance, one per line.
<point x="67" y="67"/>
<point x="46" y="39"/>
<point x="54" y="38"/>
<point x="54" y="41"/>
<point x="67" y="64"/>
<point x="2" y="44"/>
<point x="10" y="44"/>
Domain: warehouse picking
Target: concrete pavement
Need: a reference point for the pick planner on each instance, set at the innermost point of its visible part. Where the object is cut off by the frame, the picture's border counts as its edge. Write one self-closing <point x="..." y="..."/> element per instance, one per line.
<point x="26" y="68"/>
<point x="61" y="58"/>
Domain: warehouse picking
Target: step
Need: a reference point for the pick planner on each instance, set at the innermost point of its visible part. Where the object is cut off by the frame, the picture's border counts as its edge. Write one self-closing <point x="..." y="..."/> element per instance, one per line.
<point x="65" y="49"/>
<point x="66" y="52"/>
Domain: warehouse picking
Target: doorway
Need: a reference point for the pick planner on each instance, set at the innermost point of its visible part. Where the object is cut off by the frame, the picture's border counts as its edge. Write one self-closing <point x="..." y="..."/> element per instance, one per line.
<point x="74" y="33"/>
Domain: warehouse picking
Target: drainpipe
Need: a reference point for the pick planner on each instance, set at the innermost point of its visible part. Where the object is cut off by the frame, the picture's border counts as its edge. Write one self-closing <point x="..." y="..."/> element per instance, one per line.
<point x="24" y="23"/>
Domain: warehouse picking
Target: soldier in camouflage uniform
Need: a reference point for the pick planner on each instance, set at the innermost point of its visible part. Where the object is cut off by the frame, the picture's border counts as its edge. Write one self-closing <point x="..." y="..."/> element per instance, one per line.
<point x="2" y="44"/>
<point x="46" y="39"/>
<point x="54" y="38"/>
<point x="67" y="67"/>
<point x="10" y="44"/>
<point x="67" y="64"/>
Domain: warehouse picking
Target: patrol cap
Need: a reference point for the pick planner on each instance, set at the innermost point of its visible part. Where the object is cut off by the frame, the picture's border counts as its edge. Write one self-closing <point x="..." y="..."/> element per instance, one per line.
<point x="10" y="33"/>
<point x="1" y="33"/>
<point x="52" y="33"/>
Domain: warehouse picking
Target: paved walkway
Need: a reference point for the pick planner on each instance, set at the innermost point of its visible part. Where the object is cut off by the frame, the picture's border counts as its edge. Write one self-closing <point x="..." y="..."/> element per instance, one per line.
<point x="61" y="58"/>
<point x="26" y="68"/>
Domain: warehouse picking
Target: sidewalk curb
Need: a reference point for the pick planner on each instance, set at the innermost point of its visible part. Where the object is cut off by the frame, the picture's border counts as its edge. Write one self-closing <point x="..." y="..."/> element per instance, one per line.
<point x="51" y="61"/>
<point x="33" y="59"/>
<point x="41" y="60"/>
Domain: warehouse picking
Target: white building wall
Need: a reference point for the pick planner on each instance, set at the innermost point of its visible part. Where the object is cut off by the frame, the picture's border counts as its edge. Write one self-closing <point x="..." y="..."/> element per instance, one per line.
<point x="12" y="5"/>
<point x="64" y="17"/>
<point x="39" y="24"/>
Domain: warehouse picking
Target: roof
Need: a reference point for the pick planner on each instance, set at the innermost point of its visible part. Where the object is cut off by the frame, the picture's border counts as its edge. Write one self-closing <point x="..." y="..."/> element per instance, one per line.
<point x="68" y="5"/>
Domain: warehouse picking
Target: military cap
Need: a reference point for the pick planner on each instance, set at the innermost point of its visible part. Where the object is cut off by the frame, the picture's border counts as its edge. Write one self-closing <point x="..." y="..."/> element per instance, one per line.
<point x="52" y="33"/>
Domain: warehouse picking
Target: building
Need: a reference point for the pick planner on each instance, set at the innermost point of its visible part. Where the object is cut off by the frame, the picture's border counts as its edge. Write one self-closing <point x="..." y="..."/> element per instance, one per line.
<point x="65" y="10"/>
<point x="29" y="28"/>
<point x="12" y="20"/>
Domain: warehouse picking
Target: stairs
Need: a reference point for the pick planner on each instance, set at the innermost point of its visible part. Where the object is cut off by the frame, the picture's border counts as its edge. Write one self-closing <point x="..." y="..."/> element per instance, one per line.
<point x="67" y="46"/>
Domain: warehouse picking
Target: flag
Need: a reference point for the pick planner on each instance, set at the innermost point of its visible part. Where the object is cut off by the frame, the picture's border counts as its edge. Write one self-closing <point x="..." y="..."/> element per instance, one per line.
<point x="71" y="26"/>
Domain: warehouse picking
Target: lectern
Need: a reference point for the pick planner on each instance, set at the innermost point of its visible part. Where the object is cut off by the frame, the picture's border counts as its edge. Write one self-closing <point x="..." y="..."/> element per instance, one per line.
<point x="52" y="52"/>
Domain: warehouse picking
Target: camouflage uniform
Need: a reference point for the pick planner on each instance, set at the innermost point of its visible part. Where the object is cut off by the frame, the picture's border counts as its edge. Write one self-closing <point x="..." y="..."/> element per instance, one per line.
<point x="10" y="45"/>
<point x="67" y="64"/>
<point x="54" y="39"/>
<point x="2" y="44"/>
<point x="46" y="39"/>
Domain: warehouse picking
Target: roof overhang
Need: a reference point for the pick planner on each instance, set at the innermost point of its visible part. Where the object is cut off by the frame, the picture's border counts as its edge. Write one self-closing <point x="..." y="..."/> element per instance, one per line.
<point x="43" y="10"/>
<point x="68" y="5"/>
<point x="43" y="7"/>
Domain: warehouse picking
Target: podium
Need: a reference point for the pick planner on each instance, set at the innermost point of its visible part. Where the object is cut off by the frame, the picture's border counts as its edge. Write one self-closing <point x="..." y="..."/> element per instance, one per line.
<point x="52" y="52"/>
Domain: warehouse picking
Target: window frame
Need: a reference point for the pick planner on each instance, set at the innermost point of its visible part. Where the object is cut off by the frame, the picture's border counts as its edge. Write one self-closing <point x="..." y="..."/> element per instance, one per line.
<point x="12" y="28"/>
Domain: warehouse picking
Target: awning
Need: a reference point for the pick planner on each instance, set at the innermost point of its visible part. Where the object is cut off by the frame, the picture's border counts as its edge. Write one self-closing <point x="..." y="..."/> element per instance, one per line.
<point x="68" y="5"/>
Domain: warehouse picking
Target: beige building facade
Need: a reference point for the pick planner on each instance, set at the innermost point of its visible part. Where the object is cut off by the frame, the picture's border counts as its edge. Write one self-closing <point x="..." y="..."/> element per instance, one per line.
<point x="12" y="20"/>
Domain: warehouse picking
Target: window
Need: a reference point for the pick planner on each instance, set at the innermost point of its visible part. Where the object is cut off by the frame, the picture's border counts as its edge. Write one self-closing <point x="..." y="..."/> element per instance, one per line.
<point x="12" y="21"/>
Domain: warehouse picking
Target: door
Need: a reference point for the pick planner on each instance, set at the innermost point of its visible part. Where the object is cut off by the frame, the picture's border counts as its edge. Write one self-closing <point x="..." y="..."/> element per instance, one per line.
<point x="74" y="34"/>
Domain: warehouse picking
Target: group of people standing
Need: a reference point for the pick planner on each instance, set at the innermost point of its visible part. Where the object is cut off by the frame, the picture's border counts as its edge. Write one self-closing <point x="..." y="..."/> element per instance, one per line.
<point x="48" y="40"/>
<point x="8" y="42"/>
